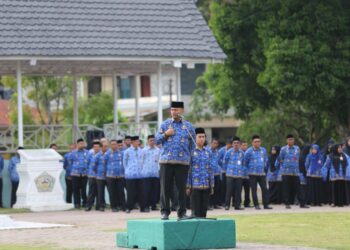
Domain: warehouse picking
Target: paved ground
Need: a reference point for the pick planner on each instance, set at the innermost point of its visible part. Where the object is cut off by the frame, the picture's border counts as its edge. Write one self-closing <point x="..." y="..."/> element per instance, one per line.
<point x="96" y="230"/>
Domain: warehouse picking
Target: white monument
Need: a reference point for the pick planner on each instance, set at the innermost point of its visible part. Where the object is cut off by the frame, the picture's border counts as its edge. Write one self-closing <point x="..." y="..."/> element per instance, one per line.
<point x="39" y="185"/>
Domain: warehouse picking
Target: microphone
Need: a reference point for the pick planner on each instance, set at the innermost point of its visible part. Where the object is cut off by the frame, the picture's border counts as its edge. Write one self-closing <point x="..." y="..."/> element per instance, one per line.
<point x="181" y="116"/>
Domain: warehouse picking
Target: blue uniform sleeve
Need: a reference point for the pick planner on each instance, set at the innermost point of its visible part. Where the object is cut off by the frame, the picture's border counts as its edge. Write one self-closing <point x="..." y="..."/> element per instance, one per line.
<point x="211" y="171"/>
<point x="247" y="157"/>
<point x="125" y="158"/>
<point x="226" y="160"/>
<point x="160" y="137"/>
<point x="325" y="168"/>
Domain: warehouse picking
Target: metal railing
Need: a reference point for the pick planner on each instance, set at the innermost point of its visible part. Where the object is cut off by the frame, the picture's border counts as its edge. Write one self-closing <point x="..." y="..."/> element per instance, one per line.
<point x="120" y="130"/>
<point x="41" y="136"/>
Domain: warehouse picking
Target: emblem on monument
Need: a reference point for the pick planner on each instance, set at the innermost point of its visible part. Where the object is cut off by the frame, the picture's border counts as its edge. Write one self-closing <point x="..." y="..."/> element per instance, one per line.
<point x="44" y="182"/>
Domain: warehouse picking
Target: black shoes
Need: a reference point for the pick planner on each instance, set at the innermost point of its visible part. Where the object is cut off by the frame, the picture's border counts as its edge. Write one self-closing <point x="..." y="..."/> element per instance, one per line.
<point x="288" y="206"/>
<point x="304" y="206"/>
<point x="87" y="209"/>
<point x="257" y="207"/>
<point x="267" y="207"/>
<point x="239" y="208"/>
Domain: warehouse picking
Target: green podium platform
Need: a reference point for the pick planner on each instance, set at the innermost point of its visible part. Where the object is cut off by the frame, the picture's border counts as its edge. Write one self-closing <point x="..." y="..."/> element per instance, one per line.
<point x="171" y="234"/>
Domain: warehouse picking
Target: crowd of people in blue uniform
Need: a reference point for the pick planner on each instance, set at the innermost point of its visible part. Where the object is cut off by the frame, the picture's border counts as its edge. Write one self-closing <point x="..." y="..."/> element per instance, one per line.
<point x="215" y="177"/>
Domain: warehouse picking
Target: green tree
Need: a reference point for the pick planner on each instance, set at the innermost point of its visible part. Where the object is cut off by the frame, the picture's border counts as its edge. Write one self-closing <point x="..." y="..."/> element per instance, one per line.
<point x="288" y="59"/>
<point x="96" y="110"/>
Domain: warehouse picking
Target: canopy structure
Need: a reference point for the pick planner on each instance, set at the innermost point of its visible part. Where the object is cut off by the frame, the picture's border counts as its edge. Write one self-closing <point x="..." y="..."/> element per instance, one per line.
<point x="102" y="37"/>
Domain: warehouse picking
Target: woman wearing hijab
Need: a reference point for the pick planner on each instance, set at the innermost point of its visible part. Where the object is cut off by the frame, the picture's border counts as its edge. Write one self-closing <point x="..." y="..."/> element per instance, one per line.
<point x="337" y="163"/>
<point x="313" y="165"/>
<point x="305" y="150"/>
<point x="326" y="189"/>
<point x="275" y="184"/>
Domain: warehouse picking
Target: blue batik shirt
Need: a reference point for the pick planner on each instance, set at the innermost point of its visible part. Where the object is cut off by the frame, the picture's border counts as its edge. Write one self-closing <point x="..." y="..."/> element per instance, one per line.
<point x="234" y="163"/>
<point x="221" y="156"/>
<point x="14" y="176"/>
<point x="92" y="164"/>
<point x="132" y="163"/>
<point x="100" y="166"/>
<point x="176" y="149"/>
<point x="256" y="160"/>
<point x="289" y="160"/>
<point x="150" y="162"/>
<point x="201" y="174"/>
<point x="79" y="160"/>
<point x="215" y="160"/>
<point x="66" y="164"/>
<point x="114" y="163"/>
<point x="1" y="165"/>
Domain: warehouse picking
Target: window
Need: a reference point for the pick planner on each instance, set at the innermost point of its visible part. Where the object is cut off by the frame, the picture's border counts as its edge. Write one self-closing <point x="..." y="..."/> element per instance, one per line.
<point x="145" y="86"/>
<point x="126" y="87"/>
<point x="94" y="86"/>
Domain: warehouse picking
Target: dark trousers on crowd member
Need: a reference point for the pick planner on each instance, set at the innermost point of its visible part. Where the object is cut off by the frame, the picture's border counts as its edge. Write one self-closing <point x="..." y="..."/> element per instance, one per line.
<point x="0" y="192"/>
<point x="133" y="189"/>
<point x="233" y="188"/>
<point x="254" y="181"/>
<point x="314" y="190"/>
<point x="326" y="192"/>
<point x="69" y="189"/>
<point x="100" y="197"/>
<point x="339" y="193"/>
<point x="116" y="193"/>
<point x="291" y="189"/>
<point x="223" y="188"/>
<point x="150" y="192"/>
<point x="14" y="185"/>
<point x="348" y="192"/>
<point x="275" y="192"/>
<point x="246" y="187"/>
<point x="169" y="173"/>
<point x="199" y="202"/>
<point x="79" y="190"/>
<point x="92" y="193"/>
<point x="214" y="200"/>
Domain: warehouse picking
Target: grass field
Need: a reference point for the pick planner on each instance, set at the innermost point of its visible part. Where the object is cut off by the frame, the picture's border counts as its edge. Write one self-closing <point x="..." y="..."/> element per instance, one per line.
<point x="322" y="230"/>
<point x="13" y="210"/>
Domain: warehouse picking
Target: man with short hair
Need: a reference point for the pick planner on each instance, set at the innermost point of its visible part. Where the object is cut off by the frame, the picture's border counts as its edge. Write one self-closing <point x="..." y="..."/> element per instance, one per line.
<point x="221" y="156"/>
<point x="115" y="175"/>
<point x="132" y="165"/>
<point x="79" y="159"/>
<point x="235" y="172"/>
<point x="256" y="159"/>
<point x="150" y="174"/>
<point x="288" y="160"/>
<point x="14" y="176"/>
<point x="92" y="176"/>
<point x="213" y="149"/>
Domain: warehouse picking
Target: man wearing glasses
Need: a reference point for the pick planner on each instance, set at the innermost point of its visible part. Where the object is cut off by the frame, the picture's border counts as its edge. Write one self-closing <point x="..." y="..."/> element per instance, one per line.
<point x="256" y="159"/>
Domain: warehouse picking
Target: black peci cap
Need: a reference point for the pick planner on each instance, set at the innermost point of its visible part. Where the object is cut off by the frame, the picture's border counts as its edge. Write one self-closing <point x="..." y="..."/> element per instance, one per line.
<point x="177" y="105"/>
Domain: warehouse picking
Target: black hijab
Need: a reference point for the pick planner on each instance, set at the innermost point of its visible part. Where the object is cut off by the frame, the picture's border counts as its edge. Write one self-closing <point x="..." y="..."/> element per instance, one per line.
<point x="338" y="159"/>
<point x="273" y="157"/>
